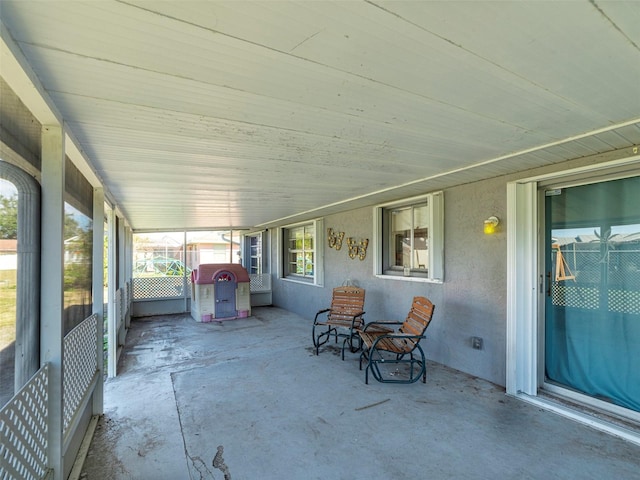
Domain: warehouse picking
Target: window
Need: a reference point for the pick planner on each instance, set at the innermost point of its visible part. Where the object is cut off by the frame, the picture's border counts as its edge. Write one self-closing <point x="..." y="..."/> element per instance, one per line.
<point x="300" y="249"/>
<point x="215" y="246"/>
<point x="19" y="276"/>
<point x="159" y="266"/>
<point x="409" y="238"/>
<point x="253" y="248"/>
<point x="78" y="266"/>
<point x="301" y="252"/>
<point x="8" y="283"/>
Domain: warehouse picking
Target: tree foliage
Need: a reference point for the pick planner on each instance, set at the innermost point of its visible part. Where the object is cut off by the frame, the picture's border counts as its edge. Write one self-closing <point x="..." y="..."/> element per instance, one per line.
<point x="71" y="226"/>
<point x="9" y="217"/>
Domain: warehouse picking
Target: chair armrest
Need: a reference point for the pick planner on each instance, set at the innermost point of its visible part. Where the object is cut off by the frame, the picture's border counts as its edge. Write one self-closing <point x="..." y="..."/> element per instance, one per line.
<point x="357" y="315"/>
<point x="315" y="320"/>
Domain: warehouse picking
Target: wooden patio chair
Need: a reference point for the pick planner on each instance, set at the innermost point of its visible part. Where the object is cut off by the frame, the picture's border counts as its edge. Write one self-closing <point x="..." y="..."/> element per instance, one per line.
<point x="382" y="345"/>
<point x="342" y="319"/>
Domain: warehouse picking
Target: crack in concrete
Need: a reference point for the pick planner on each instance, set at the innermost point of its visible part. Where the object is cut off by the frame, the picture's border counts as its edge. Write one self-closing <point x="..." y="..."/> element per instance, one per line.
<point x="188" y="457"/>
<point x="200" y="467"/>
<point x="197" y="464"/>
<point x="218" y="462"/>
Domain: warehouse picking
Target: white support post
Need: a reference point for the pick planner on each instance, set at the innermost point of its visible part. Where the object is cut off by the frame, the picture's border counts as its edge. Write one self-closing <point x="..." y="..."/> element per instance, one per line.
<point x="98" y="293"/>
<point x="52" y="286"/>
<point x="121" y="252"/>
<point x="128" y="270"/>
<point x="121" y="257"/>
<point x="522" y="304"/>
<point x="185" y="284"/>
<point x="112" y="334"/>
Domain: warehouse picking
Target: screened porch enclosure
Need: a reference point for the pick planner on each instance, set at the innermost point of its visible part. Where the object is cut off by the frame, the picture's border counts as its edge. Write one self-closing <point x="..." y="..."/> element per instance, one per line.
<point x="246" y="132"/>
<point x="163" y="262"/>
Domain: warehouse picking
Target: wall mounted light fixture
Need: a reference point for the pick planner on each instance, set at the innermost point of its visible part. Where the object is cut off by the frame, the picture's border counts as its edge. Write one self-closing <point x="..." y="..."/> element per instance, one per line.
<point x="490" y="225"/>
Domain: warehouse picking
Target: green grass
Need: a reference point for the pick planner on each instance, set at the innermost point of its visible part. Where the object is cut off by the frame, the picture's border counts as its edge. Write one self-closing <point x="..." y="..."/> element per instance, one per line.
<point x="7" y="307"/>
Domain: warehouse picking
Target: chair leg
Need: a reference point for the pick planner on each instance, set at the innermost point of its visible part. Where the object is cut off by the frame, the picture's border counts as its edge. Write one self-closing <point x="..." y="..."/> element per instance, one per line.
<point x="366" y="370"/>
<point x="375" y="368"/>
<point x="423" y="366"/>
<point x="372" y="365"/>
<point x="417" y="366"/>
<point x="423" y="362"/>
<point x="365" y="355"/>
<point x="317" y="339"/>
<point x="350" y="341"/>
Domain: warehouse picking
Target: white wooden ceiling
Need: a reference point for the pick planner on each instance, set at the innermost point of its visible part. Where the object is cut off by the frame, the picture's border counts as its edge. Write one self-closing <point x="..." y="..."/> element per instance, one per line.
<point x="200" y="114"/>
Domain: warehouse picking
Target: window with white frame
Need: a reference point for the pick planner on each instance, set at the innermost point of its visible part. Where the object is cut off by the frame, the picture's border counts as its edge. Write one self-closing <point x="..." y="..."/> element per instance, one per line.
<point x="253" y="253"/>
<point x="409" y="238"/>
<point x="301" y="249"/>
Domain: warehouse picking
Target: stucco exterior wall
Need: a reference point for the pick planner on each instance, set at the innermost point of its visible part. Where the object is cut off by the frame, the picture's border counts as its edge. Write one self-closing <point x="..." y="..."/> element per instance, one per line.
<point x="471" y="301"/>
<point x="474" y="292"/>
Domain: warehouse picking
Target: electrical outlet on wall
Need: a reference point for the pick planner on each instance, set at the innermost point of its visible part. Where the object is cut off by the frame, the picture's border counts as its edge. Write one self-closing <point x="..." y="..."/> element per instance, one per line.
<point x="476" y="343"/>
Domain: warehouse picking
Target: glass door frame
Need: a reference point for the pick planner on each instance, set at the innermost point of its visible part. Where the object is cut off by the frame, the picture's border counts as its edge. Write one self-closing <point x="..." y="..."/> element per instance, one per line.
<point x="525" y="286"/>
<point x="543" y="384"/>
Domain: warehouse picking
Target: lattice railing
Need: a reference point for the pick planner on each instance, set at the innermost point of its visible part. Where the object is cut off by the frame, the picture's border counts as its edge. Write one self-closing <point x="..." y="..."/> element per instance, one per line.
<point x="128" y="296"/>
<point x="23" y="431"/>
<point x="126" y="304"/>
<point x="616" y="272"/>
<point x="260" y="282"/>
<point x="80" y="360"/>
<point x="145" y="288"/>
<point x="571" y="295"/>
<point x="577" y="296"/>
<point x="624" y="301"/>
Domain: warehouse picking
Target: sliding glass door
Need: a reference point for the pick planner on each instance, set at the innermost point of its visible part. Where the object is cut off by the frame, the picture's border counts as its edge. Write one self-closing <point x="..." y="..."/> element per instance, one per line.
<point x="592" y="290"/>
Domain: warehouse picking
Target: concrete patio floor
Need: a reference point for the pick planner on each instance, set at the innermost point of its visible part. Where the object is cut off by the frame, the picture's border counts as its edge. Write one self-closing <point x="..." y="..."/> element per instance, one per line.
<point x="254" y="387"/>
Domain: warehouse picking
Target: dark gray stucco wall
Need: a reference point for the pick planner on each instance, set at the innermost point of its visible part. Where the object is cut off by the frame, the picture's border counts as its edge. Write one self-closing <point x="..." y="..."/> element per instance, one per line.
<point x="385" y="299"/>
<point x="472" y="299"/>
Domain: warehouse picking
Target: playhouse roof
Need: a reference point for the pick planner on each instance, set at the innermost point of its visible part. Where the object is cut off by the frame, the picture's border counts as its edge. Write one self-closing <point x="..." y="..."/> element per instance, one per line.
<point x="205" y="272"/>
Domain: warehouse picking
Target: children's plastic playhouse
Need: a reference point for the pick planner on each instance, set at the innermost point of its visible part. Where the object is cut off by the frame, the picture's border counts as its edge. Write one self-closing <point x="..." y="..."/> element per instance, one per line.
<point x="220" y="291"/>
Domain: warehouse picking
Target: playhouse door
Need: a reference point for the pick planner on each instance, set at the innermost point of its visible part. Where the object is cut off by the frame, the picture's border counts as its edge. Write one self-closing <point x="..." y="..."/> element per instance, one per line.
<point x="225" y="295"/>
